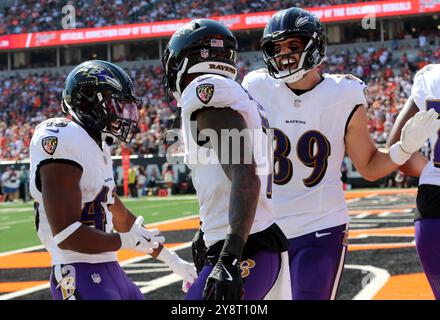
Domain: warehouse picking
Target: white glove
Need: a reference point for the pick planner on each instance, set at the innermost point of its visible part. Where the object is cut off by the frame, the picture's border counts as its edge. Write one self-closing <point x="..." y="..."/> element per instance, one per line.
<point x="141" y="239"/>
<point x="179" y="266"/>
<point x="414" y="134"/>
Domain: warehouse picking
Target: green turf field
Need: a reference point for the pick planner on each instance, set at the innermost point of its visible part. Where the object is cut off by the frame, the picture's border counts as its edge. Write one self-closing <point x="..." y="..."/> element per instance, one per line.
<point x="17" y="229"/>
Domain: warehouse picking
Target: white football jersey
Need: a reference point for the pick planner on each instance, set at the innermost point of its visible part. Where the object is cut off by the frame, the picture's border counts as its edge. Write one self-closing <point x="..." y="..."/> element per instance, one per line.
<point x="310" y="147"/>
<point x="212" y="185"/>
<point x="63" y="140"/>
<point x="426" y="94"/>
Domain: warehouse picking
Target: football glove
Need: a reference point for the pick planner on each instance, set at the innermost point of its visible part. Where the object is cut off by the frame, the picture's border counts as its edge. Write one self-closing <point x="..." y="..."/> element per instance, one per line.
<point x="141" y="239"/>
<point x="224" y="281"/>
<point x="179" y="266"/>
<point x="414" y="134"/>
<point x="198" y="250"/>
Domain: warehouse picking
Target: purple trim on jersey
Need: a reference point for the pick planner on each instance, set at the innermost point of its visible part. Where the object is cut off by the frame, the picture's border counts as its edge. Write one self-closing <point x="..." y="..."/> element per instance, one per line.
<point x="87" y="281"/>
<point x="428" y="248"/>
<point x="258" y="278"/>
<point x="316" y="263"/>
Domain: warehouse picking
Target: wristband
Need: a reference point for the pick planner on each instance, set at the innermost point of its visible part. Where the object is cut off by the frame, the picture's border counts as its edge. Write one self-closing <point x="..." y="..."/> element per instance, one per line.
<point x="166" y="255"/>
<point x="398" y="155"/>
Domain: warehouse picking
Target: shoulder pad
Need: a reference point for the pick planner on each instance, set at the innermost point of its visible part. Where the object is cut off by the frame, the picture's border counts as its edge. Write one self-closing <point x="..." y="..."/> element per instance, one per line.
<point x="211" y="91"/>
<point x="57" y="138"/>
<point x="256" y="78"/>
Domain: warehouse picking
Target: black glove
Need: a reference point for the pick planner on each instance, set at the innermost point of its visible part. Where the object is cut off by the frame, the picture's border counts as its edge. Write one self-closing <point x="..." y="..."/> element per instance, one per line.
<point x="198" y="250"/>
<point x="224" y="282"/>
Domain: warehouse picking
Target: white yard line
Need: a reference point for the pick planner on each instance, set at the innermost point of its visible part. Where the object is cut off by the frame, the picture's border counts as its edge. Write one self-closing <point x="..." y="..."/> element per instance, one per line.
<point x="24" y="292"/>
<point x="171" y="221"/>
<point x="141" y="271"/>
<point x="160" y="283"/>
<point x="7" y="253"/>
<point x="385" y="220"/>
<point x="152" y="285"/>
<point x="384" y="214"/>
<point x="9" y="223"/>
<point x="362" y="215"/>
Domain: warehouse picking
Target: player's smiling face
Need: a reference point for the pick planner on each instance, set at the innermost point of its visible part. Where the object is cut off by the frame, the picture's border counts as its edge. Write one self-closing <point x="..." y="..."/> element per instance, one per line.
<point x="289" y="52"/>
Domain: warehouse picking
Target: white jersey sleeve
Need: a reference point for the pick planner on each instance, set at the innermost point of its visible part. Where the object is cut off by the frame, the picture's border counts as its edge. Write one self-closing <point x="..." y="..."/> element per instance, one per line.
<point x="355" y="90"/>
<point x="52" y="140"/>
<point x="426" y="85"/>
<point x="62" y="140"/>
<point x="213" y="91"/>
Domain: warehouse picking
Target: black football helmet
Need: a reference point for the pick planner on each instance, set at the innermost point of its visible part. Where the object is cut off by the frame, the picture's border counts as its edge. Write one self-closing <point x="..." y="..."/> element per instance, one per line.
<point x="100" y="96"/>
<point x="200" y="46"/>
<point x="293" y="22"/>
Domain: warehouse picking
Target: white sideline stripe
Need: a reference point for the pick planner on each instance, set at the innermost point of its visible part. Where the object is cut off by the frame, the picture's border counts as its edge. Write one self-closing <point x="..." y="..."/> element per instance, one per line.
<point x="362" y="225"/>
<point x="24" y="292"/>
<point x="387" y="220"/>
<point x="160" y="283"/>
<point x="145" y="265"/>
<point x="157" y="283"/>
<point x="384" y="214"/>
<point x="381" y="277"/>
<point x="39" y="247"/>
<point x="7" y="253"/>
<point x="140" y="271"/>
<point x="11" y="210"/>
<point x="171" y="221"/>
<point x="10" y="223"/>
<point x="172" y="198"/>
<point x="362" y="215"/>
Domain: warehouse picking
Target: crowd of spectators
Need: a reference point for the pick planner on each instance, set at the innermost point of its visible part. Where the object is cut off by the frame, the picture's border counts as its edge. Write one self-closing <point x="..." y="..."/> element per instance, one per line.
<point x="26" y="101"/>
<point x="21" y="16"/>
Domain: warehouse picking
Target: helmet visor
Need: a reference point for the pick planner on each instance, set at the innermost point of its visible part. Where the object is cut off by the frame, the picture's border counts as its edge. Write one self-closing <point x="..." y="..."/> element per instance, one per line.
<point x="122" y="118"/>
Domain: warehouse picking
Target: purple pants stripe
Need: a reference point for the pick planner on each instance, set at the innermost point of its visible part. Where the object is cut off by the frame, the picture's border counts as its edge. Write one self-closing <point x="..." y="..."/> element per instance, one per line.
<point x="316" y="263"/>
<point x="259" y="275"/>
<point x="427" y="238"/>
<point x="92" y="281"/>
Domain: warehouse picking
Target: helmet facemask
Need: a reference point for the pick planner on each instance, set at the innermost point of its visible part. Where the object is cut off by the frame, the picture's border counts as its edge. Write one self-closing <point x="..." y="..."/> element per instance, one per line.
<point x="121" y="116"/>
<point x="279" y="65"/>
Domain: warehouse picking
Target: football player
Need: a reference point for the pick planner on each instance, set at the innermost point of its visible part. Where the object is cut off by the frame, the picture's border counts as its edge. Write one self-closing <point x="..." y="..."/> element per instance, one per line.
<point x="244" y="246"/>
<point x="318" y="118"/>
<point x="425" y="95"/>
<point x="74" y="190"/>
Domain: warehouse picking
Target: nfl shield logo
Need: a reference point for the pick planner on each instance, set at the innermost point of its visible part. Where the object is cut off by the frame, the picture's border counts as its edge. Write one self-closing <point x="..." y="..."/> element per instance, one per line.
<point x="96" y="278"/>
<point x="205" y="92"/>
<point x="50" y="144"/>
<point x="204" y="53"/>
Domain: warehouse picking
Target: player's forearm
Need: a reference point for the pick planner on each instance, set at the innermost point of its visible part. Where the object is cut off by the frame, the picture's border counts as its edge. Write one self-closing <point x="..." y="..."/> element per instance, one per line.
<point x="245" y="190"/>
<point x="379" y="166"/>
<point x="123" y="219"/>
<point x="414" y="166"/>
<point x="91" y="241"/>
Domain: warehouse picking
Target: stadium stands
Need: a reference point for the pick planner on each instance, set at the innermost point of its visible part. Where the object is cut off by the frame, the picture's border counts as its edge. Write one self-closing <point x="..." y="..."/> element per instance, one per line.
<point x="27" y="99"/>
<point x="20" y="16"/>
